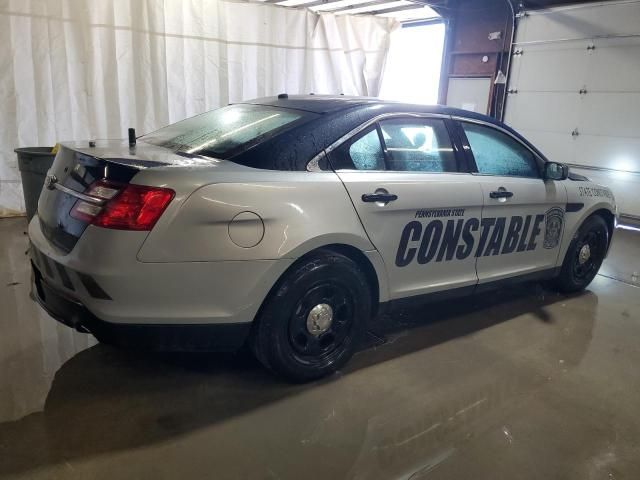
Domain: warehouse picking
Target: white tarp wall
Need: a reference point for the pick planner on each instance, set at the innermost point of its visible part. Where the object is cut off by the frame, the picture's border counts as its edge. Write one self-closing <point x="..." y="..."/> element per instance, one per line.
<point x="594" y="47"/>
<point x="84" y="69"/>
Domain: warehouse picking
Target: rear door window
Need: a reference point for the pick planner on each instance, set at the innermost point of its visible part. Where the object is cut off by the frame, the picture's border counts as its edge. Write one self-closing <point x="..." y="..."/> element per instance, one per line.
<point x="418" y="145"/>
<point x="366" y="153"/>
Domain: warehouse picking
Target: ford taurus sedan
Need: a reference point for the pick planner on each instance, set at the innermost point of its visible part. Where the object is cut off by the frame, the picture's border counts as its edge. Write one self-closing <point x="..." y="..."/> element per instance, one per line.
<point x="284" y="223"/>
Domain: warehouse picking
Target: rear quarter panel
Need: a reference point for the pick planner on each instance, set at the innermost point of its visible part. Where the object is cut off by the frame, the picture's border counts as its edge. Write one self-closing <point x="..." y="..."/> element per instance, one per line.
<point x="299" y="211"/>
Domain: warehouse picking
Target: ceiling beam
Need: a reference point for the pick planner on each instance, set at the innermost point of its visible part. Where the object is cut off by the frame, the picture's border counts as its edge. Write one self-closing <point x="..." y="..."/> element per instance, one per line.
<point x="310" y="3"/>
<point x="434" y="4"/>
<point x="363" y="5"/>
<point x="441" y="7"/>
<point x="395" y="9"/>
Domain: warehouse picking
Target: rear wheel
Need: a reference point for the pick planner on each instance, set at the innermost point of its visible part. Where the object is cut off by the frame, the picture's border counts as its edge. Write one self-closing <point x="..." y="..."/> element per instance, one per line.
<point x="584" y="256"/>
<point x="311" y="322"/>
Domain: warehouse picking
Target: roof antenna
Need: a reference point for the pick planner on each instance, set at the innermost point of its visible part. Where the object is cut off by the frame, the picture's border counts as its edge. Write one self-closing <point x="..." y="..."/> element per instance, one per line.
<point x="132" y="140"/>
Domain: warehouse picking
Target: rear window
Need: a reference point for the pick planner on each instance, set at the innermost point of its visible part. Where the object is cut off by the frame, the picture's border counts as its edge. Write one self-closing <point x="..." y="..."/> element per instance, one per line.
<point x="227" y="131"/>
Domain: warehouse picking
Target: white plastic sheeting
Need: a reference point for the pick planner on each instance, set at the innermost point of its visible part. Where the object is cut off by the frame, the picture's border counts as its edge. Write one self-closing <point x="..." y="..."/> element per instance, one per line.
<point x="82" y="69"/>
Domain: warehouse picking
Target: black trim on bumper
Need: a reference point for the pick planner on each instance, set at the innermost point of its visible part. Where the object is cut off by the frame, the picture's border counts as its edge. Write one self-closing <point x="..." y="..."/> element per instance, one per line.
<point x="156" y="337"/>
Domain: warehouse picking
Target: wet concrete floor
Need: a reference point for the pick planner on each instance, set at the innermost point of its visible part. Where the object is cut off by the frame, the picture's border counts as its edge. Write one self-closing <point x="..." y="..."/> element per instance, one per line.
<point x="523" y="383"/>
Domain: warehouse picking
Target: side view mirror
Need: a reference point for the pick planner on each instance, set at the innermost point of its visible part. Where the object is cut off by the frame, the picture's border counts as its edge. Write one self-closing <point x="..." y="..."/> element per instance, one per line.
<point x="555" y="171"/>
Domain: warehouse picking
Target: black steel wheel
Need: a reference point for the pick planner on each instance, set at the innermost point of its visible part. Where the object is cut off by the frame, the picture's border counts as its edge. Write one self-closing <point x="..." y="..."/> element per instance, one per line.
<point x="322" y="321"/>
<point x="311" y="322"/>
<point x="584" y="255"/>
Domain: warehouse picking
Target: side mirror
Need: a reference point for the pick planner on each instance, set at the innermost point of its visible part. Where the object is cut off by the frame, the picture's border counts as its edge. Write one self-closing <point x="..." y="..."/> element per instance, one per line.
<point x="555" y="171"/>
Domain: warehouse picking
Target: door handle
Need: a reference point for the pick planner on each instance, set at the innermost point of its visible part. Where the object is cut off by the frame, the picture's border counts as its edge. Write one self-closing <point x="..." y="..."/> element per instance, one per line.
<point x="500" y="194"/>
<point x="379" y="197"/>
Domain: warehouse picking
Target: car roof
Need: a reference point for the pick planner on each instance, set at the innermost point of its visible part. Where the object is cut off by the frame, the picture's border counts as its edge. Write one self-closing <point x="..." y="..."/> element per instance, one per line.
<point x="331" y="117"/>
<point x="316" y="103"/>
<point x="329" y="104"/>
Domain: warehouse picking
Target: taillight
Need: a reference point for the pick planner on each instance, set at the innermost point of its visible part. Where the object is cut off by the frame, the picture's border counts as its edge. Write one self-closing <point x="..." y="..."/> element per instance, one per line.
<point x="102" y="190"/>
<point x="126" y="207"/>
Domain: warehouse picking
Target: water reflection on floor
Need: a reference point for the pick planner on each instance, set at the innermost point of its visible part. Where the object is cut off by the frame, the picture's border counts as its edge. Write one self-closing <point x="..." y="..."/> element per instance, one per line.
<point x="523" y="383"/>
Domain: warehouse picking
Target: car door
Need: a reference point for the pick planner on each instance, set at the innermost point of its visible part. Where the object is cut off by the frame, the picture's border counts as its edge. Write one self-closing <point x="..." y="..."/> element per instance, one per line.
<point x="523" y="214"/>
<point x="416" y="203"/>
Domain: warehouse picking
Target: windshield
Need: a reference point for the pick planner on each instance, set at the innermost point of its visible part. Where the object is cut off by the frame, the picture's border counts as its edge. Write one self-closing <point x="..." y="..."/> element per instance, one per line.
<point x="227" y="131"/>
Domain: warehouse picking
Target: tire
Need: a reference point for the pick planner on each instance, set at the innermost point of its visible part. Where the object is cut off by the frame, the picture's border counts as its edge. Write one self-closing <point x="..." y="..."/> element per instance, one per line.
<point x="578" y="270"/>
<point x="300" y="344"/>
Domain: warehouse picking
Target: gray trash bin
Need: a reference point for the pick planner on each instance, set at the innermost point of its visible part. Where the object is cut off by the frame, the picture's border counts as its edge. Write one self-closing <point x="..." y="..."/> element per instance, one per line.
<point x="34" y="163"/>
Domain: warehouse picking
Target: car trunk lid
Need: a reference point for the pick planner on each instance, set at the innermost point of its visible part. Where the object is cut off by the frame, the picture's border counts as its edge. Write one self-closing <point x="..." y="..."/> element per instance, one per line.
<point x="77" y="167"/>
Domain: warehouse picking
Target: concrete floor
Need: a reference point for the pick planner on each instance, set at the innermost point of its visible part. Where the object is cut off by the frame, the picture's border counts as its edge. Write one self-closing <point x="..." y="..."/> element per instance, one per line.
<point x="525" y="383"/>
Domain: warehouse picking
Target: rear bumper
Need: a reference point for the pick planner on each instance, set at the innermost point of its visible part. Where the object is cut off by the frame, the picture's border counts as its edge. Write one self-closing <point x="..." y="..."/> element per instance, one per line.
<point x="103" y="274"/>
<point x="157" y="337"/>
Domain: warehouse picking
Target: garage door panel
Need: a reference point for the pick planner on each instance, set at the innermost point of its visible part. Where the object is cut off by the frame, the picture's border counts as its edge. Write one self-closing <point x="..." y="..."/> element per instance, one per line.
<point x="614" y="65"/>
<point x="552" y="26"/>
<point x="556" y="112"/>
<point x="603" y="152"/>
<point x="536" y="71"/>
<point x="581" y="21"/>
<point x="554" y="145"/>
<point x="612" y="114"/>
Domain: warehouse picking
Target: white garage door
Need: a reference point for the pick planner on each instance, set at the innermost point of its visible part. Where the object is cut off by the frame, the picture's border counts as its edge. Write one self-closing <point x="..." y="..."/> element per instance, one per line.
<point x="576" y="72"/>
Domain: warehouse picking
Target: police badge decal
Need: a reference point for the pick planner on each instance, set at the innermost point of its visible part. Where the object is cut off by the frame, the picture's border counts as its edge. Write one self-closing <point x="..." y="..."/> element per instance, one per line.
<point x="554" y="218"/>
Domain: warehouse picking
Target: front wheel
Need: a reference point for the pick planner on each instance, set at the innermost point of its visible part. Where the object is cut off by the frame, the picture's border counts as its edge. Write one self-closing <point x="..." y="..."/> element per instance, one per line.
<point x="310" y="324"/>
<point x="584" y="255"/>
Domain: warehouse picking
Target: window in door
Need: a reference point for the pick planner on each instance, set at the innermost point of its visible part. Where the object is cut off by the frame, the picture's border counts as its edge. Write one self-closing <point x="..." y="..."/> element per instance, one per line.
<point x="418" y="145"/>
<point x="366" y="152"/>
<point x="497" y="153"/>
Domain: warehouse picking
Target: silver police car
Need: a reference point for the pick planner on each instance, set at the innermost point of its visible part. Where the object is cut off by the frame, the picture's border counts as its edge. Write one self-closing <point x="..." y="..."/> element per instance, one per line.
<point x="284" y="223"/>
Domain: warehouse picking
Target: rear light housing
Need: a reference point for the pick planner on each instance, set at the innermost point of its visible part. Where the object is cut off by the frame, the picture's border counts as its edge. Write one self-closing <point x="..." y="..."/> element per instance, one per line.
<point x="125" y="207"/>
